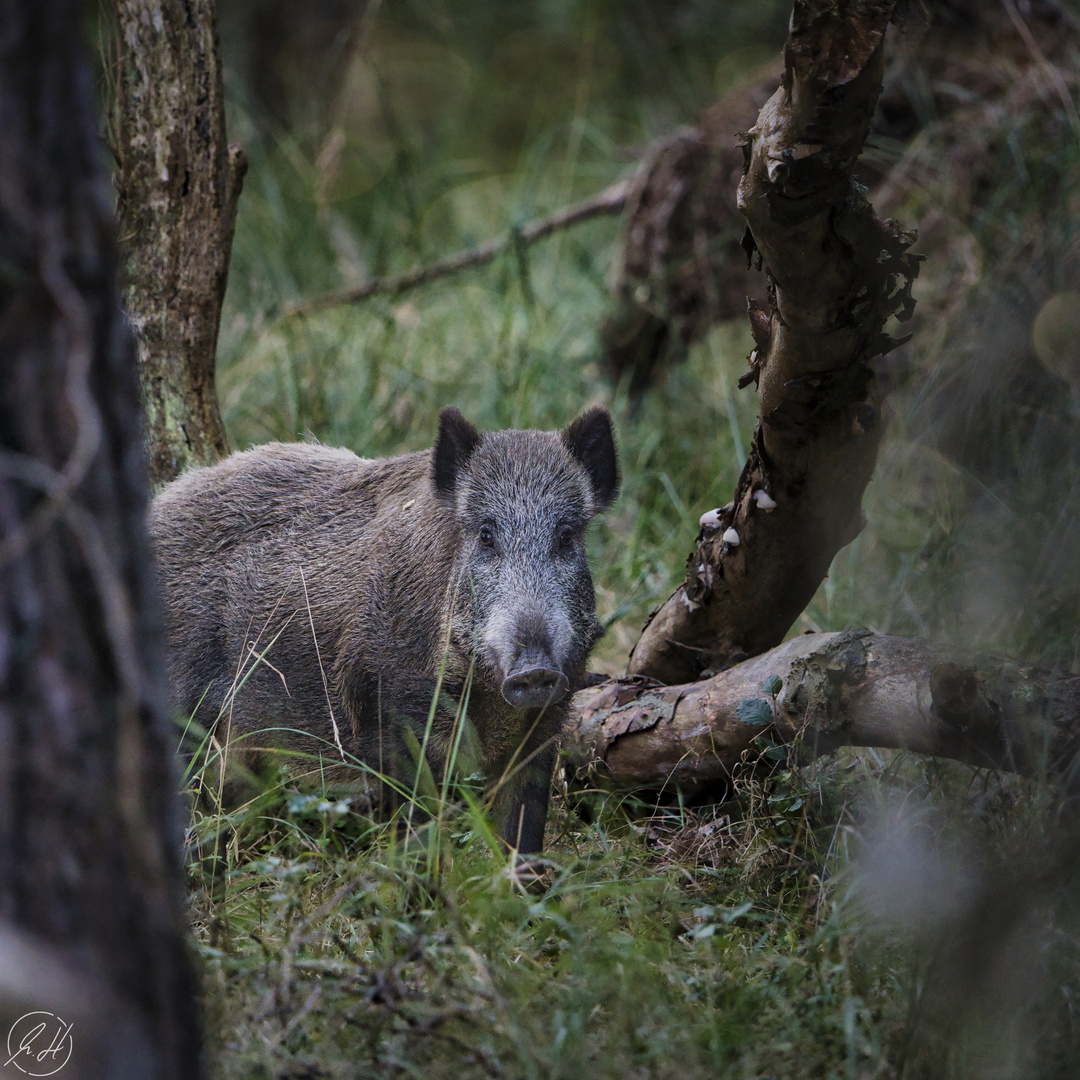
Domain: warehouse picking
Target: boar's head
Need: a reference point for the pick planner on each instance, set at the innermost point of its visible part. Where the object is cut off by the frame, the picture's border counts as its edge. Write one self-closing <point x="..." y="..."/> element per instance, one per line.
<point x="522" y="501"/>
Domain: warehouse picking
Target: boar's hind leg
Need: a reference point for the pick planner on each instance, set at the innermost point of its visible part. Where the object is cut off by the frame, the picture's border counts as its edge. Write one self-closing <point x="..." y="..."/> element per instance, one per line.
<point x="520" y="806"/>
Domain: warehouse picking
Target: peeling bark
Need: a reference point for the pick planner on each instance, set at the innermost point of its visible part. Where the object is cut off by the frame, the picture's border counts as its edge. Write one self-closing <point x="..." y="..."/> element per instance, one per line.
<point x="835" y="276"/>
<point x="819" y="692"/>
<point x="178" y="184"/>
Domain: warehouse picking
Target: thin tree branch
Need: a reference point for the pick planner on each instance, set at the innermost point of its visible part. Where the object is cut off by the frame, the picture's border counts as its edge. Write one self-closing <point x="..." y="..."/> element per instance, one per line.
<point x="609" y="201"/>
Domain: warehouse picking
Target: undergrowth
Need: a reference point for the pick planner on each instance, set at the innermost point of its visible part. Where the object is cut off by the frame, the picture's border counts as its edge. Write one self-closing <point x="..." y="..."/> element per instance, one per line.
<point x="813" y="925"/>
<point x="666" y="942"/>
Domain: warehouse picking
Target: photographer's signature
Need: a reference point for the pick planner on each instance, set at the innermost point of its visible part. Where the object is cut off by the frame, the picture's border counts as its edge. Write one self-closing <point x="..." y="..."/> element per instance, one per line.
<point x="39" y="1044"/>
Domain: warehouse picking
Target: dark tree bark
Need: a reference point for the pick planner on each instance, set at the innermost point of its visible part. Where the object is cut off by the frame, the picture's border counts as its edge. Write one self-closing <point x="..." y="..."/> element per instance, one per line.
<point x="178" y="184"/>
<point x="821" y="692"/>
<point x="91" y="879"/>
<point x="836" y="274"/>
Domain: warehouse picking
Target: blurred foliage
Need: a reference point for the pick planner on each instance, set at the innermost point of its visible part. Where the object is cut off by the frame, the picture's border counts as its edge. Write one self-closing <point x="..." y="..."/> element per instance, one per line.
<point x="487" y="78"/>
<point x="973" y="526"/>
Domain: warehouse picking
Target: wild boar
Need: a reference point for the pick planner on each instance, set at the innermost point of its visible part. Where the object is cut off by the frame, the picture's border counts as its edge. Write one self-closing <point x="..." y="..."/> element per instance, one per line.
<point x="361" y="602"/>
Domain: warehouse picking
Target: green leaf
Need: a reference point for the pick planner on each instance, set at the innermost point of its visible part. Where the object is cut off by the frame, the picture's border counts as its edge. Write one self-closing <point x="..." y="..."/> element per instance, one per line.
<point x="754" y="711"/>
<point x="772" y="685"/>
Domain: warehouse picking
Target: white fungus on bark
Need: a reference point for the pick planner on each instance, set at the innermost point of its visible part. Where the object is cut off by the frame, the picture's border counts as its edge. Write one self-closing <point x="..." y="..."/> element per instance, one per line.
<point x="763" y="500"/>
<point x="690" y="605"/>
<point x="710" y="519"/>
<point x="730" y="537"/>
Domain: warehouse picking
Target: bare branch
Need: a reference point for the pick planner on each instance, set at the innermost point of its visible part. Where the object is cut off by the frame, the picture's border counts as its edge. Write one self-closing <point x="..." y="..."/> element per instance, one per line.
<point x="609" y="201"/>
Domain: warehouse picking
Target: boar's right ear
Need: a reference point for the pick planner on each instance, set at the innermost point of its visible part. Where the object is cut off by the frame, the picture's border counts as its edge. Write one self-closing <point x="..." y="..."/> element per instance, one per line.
<point x="454" y="446"/>
<point x="589" y="439"/>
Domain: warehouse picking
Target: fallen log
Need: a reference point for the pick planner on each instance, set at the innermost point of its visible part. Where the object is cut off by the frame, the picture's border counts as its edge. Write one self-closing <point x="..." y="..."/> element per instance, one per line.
<point x="817" y="693"/>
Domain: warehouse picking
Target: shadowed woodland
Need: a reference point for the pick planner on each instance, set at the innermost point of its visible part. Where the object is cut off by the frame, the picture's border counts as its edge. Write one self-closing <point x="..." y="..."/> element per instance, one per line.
<point x="819" y="819"/>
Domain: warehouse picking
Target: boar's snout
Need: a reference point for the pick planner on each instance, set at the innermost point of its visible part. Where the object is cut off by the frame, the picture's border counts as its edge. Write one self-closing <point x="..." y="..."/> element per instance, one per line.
<point x="534" y="683"/>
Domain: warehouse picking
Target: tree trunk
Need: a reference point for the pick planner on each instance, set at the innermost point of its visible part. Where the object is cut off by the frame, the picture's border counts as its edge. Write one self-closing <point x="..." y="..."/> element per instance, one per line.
<point x="835" y="275"/>
<point x="823" y="691"/>
<point x="92" y="923"/>
<point x="178" y="184"/>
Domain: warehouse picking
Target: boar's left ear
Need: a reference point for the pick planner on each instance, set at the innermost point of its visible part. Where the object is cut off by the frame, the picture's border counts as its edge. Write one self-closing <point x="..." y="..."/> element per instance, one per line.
<point x="589" y="439"/>
<point x="454" y="446"/>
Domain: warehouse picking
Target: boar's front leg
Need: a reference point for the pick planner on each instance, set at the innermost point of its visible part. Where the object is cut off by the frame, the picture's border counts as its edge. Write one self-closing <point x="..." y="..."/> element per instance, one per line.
<point x="521" y="802"/>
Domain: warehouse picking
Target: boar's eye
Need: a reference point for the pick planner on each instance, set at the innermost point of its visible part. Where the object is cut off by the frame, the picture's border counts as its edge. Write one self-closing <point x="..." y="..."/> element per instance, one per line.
<point x="487" y="536"/>
<point x="565" y="537"/>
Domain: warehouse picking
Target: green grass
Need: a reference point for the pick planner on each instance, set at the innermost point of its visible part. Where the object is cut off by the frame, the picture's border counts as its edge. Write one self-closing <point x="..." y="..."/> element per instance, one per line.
<point x="794" y="931"/>
<point x="745" y="940"/>
<point x="654" y="951"/>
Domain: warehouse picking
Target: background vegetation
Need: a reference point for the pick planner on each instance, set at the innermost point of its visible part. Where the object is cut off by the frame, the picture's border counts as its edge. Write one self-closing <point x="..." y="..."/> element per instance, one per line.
<point x="736" y="940"/>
